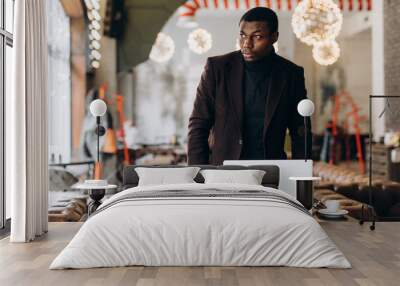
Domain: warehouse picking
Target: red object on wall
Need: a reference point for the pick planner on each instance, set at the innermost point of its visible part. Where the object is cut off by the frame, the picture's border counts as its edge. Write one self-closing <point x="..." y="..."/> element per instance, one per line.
<point x="226" y="4"/>
<point x="121" y="116"/>
<point x="341" y="4"/>
<point x="190" y="7"/>
<point x="369" y="5"/>
<point x="216" y="3"/>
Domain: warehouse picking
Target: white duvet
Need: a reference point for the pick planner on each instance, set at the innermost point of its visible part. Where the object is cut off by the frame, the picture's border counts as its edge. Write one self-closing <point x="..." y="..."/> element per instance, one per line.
<point x="200" y="231"/>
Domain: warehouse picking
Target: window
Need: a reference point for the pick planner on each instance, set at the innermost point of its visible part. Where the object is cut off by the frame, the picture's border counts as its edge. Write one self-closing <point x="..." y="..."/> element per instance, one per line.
<point x="6" y="44"/>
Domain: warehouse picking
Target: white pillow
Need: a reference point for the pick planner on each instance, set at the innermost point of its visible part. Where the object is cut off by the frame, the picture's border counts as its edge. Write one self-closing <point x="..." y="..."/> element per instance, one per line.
<point x="163" y="176"/>
<point x="248" y="177"/>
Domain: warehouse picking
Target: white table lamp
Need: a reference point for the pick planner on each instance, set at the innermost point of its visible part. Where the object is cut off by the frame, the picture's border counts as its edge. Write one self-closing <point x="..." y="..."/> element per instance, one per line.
<point x="98" y="108"/>
<point x="306" y="109"/>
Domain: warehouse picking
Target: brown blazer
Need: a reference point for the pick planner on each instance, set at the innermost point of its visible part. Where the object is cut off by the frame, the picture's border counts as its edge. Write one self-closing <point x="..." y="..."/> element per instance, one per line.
<point x="216" y="123"/>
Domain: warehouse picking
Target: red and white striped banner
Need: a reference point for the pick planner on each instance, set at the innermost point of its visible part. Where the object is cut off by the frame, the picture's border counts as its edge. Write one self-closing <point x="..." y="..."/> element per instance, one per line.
<point x="190" y="8"/>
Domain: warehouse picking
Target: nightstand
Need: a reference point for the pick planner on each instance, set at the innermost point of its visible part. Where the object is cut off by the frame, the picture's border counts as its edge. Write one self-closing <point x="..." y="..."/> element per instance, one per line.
<point x="304" y="190"/>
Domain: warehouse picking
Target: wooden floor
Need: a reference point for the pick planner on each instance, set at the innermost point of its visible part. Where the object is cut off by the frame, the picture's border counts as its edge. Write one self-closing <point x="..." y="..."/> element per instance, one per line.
<point x="375" y="257"/>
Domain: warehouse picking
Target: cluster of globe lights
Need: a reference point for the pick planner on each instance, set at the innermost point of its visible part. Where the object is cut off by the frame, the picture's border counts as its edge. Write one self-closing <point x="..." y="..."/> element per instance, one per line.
<point x="199" y="41"/>
<point x="163" y="49"/>
<point x="318" y="23"/>
<point x="93" y="8"/>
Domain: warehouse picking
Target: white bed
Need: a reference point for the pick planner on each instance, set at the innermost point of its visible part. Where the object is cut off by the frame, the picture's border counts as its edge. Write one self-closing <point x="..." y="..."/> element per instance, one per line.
<point x="202" y="231"/>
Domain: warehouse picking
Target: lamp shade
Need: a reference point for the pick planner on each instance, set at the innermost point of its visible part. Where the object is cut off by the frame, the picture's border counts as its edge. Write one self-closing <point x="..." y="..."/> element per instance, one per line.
<point x="305" y="107"/>
<point x="98" y="107"/>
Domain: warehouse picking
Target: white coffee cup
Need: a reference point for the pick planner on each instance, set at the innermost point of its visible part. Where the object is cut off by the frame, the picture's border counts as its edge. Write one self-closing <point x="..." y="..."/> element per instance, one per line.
<point x="332" y="205"/>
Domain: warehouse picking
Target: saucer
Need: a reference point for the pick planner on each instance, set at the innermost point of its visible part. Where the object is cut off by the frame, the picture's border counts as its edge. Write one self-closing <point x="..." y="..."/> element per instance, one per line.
<point x="331" y="214"/>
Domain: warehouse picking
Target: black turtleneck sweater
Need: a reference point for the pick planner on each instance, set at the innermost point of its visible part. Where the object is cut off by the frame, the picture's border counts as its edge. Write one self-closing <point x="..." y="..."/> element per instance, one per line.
<point x="256" y="83"/>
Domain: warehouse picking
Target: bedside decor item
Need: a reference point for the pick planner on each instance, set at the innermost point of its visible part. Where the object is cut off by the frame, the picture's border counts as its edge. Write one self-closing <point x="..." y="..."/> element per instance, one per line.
<point x="97" y="187"/>
<point x="98" y="108"/>
<point x="332" y="210"/>
<point x="332" y="205"/>
<point x="333" y="214"/>
<point x="305" y="109"/>
<point x="304" y="190"/>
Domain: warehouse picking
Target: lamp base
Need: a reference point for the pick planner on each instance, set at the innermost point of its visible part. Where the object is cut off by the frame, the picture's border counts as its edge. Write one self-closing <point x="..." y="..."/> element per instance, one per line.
<point x="96" y="195"/>
<point x="304" y="193"/>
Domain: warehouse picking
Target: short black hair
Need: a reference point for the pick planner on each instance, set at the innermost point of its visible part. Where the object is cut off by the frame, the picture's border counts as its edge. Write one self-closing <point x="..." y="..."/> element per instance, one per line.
<point x="262" y="14"/>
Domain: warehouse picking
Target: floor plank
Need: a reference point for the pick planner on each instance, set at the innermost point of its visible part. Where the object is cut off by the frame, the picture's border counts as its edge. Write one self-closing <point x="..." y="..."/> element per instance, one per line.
<point x="375" y="257"/>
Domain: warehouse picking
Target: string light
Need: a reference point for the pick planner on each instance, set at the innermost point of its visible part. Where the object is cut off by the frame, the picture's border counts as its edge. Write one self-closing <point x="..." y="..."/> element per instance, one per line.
<point x="96" y="55"/>
<point x="317" y="21"/>
<point x="95" y="44"/>
<point x="93" y="8"/>
<point x="163" y="49"/>
<point x="95" y="64"/>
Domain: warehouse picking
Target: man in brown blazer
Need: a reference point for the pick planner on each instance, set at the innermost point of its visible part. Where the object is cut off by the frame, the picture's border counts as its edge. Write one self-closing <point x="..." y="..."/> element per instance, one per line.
<point x="247" y="99"/>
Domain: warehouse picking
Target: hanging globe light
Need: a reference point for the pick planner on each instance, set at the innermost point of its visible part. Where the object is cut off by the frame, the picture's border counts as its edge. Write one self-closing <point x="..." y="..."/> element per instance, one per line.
<point x="316" y="21"/>
<point x="326" y="53"/>
<point x="163" y="49"/>
<point x="200" y="41"/>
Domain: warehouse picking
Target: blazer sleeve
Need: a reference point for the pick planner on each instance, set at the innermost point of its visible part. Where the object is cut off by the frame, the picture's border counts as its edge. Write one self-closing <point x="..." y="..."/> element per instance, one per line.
<point x="202" y="118"/>
<point x="296" y="122"/>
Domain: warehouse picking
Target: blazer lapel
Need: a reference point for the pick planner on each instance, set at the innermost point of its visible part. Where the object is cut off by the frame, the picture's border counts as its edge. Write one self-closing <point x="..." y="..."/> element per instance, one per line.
<point x="234" y="85"/>
<point x="276" y="86"/>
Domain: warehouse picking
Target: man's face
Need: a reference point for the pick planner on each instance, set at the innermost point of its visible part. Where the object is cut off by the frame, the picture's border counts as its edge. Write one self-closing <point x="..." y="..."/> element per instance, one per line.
<point x="256" y="40"/>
